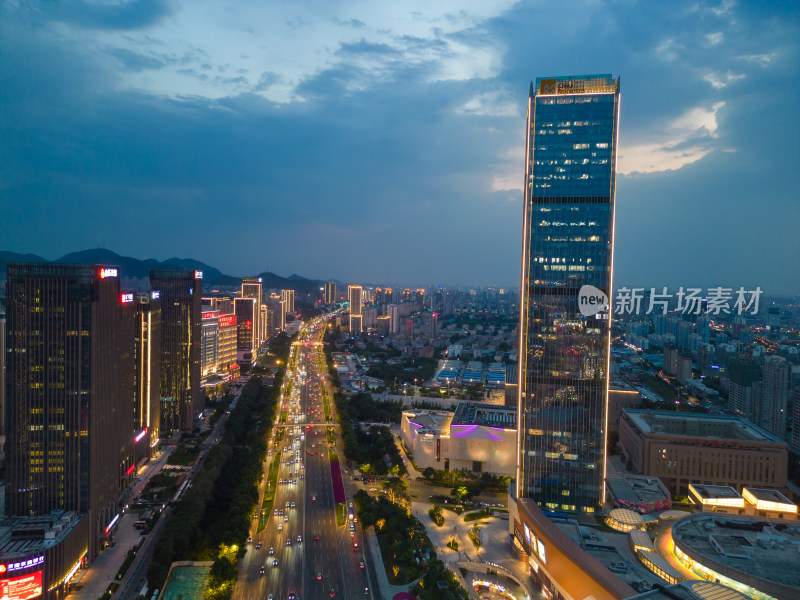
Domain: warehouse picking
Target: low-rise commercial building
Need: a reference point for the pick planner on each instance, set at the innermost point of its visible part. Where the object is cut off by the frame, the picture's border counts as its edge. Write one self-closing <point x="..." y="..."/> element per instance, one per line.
<point x="684" y="448"/>
<point x="691" y="590"/>
<point x="561" y="564"/>
<point x="756" y="556"/>
<point x="639" y="493"/>
<point x="40" y="555"/>
<point x="752" y="501"/>
<point x="477" y="438"/>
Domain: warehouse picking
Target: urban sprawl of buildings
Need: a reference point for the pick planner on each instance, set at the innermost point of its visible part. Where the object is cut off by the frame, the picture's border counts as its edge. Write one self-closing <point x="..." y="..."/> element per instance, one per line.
<point x="647" y="450"/>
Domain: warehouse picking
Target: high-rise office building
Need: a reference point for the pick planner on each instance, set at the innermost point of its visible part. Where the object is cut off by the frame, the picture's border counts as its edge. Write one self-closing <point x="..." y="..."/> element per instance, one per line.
<point x="227" y="362"/>
<point x="70" y="392"/>
<point x="288" y="298"/>
<point x="262" y="320"/>
<point x="744" y="387"/>
<point x="431" y="322"/>
<point x="2" y="371"/>
<point x="209" y="343"/>
<point x="772" y="411"/>
<point x="567" y="248"/>
<point x="394" y="318"/>
<point x="795" y="441"/>
<point x="330" y="292"/>
<point x="245" y="310"/>
<point x="354" y="293"/>
<point x="147" y="375"/>
<point x="276" y="313"/>
<point x="181" y="396"/>
<point x="369" y="317"/>
<point x="281" y="315"/>
<point x="251" y="288"/>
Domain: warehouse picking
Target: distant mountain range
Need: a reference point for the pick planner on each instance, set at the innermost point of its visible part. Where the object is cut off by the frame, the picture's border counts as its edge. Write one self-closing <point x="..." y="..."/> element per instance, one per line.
<point x="133" y="267"/>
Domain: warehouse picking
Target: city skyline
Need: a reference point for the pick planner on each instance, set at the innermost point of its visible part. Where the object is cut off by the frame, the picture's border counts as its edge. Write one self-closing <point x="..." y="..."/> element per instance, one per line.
<point x="132" y="117"/>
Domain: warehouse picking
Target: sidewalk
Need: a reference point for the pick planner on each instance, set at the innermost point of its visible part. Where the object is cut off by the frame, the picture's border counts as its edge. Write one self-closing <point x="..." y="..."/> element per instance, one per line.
<point x="103" y="570"/>
<point x="387" y="589"/>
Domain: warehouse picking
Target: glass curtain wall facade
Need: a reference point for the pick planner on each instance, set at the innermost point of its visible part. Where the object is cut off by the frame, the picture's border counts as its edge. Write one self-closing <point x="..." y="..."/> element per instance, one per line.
<point x="354" y="293"/>
<point x="147" y="375"/>
<point x="251" y="288"/>
<point x="567" y="244"/>
<point x="70" y="375"/>
<point x="180" y="294"/>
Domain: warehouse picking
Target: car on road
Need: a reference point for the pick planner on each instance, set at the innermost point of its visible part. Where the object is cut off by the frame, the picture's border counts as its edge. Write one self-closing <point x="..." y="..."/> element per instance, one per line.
<point x="249" y="540"/>
<point x="316" y="538"/>
<point x="319" y="575"/>
<point x="313" y="498"/>
<point x="271" y="550"/>
<point x="332" y="593"/>
<point x="258" y="546"/>
<point x="292" y="504"/>
<point x="261" y="570"/>
<point x="361" y="564"/>
<point x="299" y="539"/>
<point x="274" y="562"/>
<point x="292" y="596"/>
<point x="288" y="542"/>
<point x="270" y="597"/>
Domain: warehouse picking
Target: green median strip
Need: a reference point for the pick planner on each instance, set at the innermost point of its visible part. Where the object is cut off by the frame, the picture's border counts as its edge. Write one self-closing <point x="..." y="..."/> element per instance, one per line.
<point x="341" y="514"/>
<point x="269" y="495"/>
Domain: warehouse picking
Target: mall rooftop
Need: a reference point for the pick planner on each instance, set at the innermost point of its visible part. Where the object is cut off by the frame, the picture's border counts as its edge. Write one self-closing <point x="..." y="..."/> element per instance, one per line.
<point x="638" y="492"/>
<point x="697" y="425"/>
<point x="759" y="552"/>
<point x="691" y="590"/>
<point x="23" y="535"/>
<point x="485" y="414"/>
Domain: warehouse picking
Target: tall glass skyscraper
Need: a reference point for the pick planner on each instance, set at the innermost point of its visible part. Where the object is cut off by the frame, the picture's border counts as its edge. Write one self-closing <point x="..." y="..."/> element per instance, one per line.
<point x="567" y="253"/>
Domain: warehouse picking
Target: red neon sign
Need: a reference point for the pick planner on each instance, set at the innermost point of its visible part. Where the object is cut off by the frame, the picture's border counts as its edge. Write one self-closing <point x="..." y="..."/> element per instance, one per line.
<point x="24" y="587"/>
<point x="130" y="470"/>
<point x="210" y="315"/>
<point x="248" y="324"/>
<point x="227" y="320"/>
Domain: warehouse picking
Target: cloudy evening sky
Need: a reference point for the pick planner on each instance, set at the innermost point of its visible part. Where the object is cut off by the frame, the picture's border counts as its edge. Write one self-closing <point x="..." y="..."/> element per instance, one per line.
<point x="384" y="141"/>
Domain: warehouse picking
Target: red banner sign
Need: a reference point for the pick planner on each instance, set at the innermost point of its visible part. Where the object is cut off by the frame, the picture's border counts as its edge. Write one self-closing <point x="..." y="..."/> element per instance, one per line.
<point x="227" y="321"/>
<point x="24" y="587"/>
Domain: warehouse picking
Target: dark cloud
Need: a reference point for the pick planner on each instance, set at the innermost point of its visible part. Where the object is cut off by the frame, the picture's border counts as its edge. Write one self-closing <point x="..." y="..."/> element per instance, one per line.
<point x="379" y="156"/>
<point x="133" y="14"/>
<point x="365" y="47"/>
<point x="135" y="61"/>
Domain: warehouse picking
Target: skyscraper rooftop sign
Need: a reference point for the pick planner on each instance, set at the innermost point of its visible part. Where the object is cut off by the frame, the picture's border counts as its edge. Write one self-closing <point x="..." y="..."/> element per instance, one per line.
<point x="595" y="85"/>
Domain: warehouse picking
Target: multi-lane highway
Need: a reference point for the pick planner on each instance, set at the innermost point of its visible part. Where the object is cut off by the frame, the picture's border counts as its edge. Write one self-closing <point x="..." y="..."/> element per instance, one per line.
<point x="302" y="552"/>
